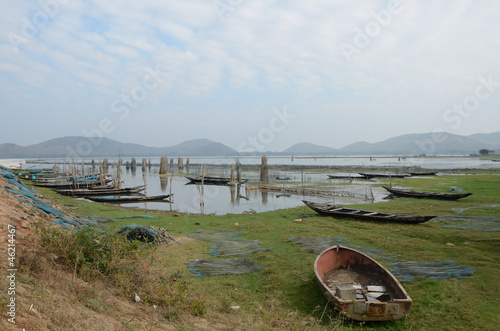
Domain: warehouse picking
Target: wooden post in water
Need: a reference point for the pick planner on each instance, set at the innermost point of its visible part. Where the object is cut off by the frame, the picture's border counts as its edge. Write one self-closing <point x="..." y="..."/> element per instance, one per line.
<point x="118" y="183"/>
<point x="181" y="163"/>
<point x="238" y="170"/>
<point x="163" y="165"/>
<point x="202" y="198"/>
<point x="172" y="164"/>
<point x="144" y="164"/>
<point x="232" y="180"/>
<point x="105" y="166"/>
<point x="264" y="170"/>
<point x="187" y="164"/>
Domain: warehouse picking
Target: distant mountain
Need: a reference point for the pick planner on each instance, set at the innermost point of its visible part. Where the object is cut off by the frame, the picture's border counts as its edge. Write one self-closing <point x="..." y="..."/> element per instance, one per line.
<point x="425" y="143"/>
<point x="409" y="144"/>
<point x="309" y="149"/>
<point x="77" y="147"/>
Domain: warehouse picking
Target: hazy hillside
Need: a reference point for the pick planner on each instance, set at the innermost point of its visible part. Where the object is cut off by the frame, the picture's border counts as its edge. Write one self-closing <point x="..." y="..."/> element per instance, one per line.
<point x="76" y="147"/>
<point x="409" y="144"/>
<point x="309" y="149"/>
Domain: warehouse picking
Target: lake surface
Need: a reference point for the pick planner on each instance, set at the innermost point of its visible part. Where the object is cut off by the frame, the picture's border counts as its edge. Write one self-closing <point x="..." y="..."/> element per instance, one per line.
<point x="248" y="198"/>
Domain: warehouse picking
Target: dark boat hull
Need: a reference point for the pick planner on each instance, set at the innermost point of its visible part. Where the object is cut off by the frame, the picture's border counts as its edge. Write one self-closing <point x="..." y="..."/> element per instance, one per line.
<point x="158" y="198"/>
<point x="370" y="175"/>
<point x="97" y="192"/>
<point x="340" y="270"/>
<point x="338" y="211"/>
<point x="431" y="195"/>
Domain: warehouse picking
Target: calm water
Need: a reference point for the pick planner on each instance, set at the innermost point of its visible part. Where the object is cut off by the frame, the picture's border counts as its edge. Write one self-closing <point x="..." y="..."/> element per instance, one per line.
<point x="246" y="198"/>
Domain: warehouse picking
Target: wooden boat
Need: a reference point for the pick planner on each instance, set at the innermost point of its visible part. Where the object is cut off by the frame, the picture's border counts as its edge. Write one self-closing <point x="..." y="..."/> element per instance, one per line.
<point x="283" y="178"/>
<point x="106" y="191"/>
<point x="209" y="180"/>
<point x="376" y="175"/>
<point x="428" y="173"/>
<point x="421" y="194"/>
<point x="71" y="184"/>
<point x="346" y="176"/>
<point x="158" y="198"/>
<point x="367" y="215"/>
<point x="359" y="286"/>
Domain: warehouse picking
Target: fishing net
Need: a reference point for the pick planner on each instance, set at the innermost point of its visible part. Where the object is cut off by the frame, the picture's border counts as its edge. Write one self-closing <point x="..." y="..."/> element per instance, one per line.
<point x="411" y="271"/>
<point x="236" y="247"/>
<point x="476" y="223"/>
<point x="226" y="242"/>
<point x="30" y="196"/>
<point x="316" y="245"/>
<point x="461" y="210"/>
<point x="149" y="234"/>
<point x="215" y="235"/>
<point x="207" y="268"/>
<point x="137" y="216"/>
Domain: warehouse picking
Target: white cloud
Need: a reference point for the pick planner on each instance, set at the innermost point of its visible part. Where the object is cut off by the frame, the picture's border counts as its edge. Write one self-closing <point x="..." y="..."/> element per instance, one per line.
<point x="263" y="53"/>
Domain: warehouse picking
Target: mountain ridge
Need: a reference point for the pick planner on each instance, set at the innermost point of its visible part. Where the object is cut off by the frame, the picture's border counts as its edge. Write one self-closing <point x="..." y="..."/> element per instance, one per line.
<point x="407" y="144"/>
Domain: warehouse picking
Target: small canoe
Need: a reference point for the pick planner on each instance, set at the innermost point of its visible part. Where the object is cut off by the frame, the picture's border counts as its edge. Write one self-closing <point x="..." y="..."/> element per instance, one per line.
<point x="359" y="286"/>
<point x="374" y="175"/>
<point x="158" y="198"/>
<point x="421" y="194"/>
<point x="429" y="173"/>
<point x="106" y="191"/>
<point x="209" y="180"/>
<point x="367" y="215"/>
<point x="346" y="176"/>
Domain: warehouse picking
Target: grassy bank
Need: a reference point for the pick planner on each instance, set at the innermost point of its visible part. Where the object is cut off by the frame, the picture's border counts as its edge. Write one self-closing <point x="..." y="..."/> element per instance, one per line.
<point x="284" y="295"/>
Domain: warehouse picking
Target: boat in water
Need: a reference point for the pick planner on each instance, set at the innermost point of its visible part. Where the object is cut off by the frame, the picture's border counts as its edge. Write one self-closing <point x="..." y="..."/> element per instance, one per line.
<point x="359" y="286"/>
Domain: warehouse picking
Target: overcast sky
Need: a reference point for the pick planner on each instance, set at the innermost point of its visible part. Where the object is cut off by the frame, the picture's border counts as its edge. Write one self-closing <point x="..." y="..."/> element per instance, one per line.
<point x="250" y="74"/>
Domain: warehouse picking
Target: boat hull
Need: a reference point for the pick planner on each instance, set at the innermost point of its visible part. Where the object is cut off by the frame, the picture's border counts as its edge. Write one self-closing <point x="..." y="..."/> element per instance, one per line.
<point x="366" y="215"/>
<point x="431" y="195"/>
<point x="342" y="259"/>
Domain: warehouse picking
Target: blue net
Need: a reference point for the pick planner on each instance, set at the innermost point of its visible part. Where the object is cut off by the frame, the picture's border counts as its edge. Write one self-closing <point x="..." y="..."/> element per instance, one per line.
<point x="207" y="268"/>
<point x="475" y="223"/>
<point x="411" y="270"/>
<point x="30" y="196"/>
<point x="226" y="242"/>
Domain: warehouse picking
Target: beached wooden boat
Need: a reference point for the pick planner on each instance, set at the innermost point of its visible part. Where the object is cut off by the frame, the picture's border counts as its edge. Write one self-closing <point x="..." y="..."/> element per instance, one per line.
<point x="209" y="180"/>
<point x="385" y="175"/>
<point x="421" y="194"/>
<point x="71" y="184"/>
<point x="106" y="191"/>
<point x="346" y="176"/>
<point x="367" y="215"/>
<point x="157" y="198"/>
<point x="359" y="286"/>
<point x="423" y="173"/>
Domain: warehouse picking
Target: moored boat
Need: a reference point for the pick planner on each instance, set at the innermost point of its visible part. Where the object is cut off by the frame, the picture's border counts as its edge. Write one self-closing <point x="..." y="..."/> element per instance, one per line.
<point x="359" y="286"/>
<point x="422" y="194"/>
<point x="111" y="199"/>
<point x="367" y="215"/>
<point x="387" y="175"/>
<point x="106" y="191"/>
<point x="209" y="180"/>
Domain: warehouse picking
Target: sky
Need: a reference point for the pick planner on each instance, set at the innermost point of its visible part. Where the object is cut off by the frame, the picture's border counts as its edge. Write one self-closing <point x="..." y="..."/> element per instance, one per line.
<point x="254" y="75"/>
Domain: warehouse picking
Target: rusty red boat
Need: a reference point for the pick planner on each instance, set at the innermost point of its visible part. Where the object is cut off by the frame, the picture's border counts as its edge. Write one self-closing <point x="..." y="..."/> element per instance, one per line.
<point x="359" y="286"/>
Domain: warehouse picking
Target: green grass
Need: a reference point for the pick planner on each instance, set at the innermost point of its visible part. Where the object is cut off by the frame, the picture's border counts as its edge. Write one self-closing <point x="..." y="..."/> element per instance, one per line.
<point x="284" y="295"/>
